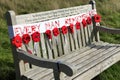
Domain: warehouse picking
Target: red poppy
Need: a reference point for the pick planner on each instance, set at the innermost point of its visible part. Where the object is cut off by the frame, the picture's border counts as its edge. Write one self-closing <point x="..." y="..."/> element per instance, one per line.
<point x="71" y="28"/>
<point x="84" y="23"/>
<point x="56" y="32"/>
<point x="48" y="34"/>
<point x="17" y="41"/>
<point x="77" y="25"/>
<point x="89" y="20"/>
<point x="64" y="29"/>
<point x="26" y="38"/>
<point x="36" y="36"/>
<point x="97" y="18"/>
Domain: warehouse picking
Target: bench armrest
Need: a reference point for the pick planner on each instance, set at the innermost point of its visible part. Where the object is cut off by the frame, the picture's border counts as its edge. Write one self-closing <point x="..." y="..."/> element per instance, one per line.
<point x="108" y="30"/>
<point x="32" y="59"/>
<point x="68" y="69"/>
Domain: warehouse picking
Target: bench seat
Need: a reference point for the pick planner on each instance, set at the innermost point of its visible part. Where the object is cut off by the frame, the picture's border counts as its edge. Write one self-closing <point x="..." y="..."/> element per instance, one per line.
<point x="93" y="58"/>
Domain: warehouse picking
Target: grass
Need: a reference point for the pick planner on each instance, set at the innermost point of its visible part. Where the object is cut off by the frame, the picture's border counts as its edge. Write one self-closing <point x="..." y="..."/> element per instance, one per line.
<point x="108" y="9"/>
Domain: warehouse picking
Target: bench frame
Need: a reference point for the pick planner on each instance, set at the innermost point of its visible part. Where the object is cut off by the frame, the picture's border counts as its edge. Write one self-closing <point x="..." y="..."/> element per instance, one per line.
<point x="57" y="66"/>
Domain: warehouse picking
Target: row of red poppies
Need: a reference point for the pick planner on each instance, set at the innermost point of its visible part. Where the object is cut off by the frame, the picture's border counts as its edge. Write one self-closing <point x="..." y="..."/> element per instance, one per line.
<point x="17" y="40"/>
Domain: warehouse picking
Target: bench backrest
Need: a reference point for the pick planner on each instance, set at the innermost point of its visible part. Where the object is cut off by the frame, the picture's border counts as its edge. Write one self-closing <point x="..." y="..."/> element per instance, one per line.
<point x="63" y="43"/>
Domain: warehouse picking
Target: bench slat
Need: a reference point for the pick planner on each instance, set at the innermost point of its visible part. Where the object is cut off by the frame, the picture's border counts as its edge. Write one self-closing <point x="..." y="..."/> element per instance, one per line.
<point x="41" y="74"/>
<point x="85" y="53"/>
<point x="95" y="57"/>
<point x="72" y="42"/>
<point x="75" y="38"/>
<point x="78" y="33"/>
<point x="49" y="48"/>
<point x="65" y="43"/>
<point x="89" y="34"/>
<point x="33" y="72"/>
<point x="64" y="57"/>
<point x="55" y="51"/>
<point x="59" y="46"/>
<point x="83" y="35"/>
<point x="90" y="55"/>
<point x="43" y="47"/>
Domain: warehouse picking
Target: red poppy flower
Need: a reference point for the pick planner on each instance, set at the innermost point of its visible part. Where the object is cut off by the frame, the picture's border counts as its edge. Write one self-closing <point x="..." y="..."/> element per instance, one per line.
<point x="56" y="32"/>
<point x="48" y="34"/>
<point x="26" y="38"/>
<point x="36" y="36"/>
<point x="77" y="25"/>
<point x="97" y="18"/>
<point x="84" y="23"/>
<point x="64" y="29"/>
<point x="89" y="20"/>
<point x="17" y="41"/>
<point x="71" y="28"/>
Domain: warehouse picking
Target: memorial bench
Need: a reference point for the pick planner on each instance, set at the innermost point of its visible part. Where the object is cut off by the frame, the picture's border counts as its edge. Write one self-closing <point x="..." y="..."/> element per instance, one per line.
<point x="61" y="44"/>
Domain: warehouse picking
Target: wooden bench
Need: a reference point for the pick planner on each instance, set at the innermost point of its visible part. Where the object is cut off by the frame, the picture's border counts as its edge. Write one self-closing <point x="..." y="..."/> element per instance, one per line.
<point x="72" y="53"/>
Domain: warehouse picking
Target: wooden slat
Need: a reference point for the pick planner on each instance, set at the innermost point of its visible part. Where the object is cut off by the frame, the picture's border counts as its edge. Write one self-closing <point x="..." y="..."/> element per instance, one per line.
<point x="90" y="55"/>
<point x="59" y="46"/>
<point x="55" y="50"/>
<point x="79" y="38"/>
<point x="72" y="41"/>
<point x="75" y="38"/>
<point x="65" y="43"/>
<point x="49" y="48"/>
<point x="97" y="57"/>
<point x="33" y="72"/>
<point x="22" y="67"/>
<point x="93" y="54"/>
<point x="85" y="53"/>
<point x="48" y="77"/>
<point x="89" y="34"/>
<point x="38" y="50"/>
<point x="83" y="35"/>
<point x="86" y="35"/>
<point x="25" y="65"/>
<point x="41" y="74"/>
<point x="64" y="57"/>
<point x="43" y="47"/>
<point x="82" y="50"/>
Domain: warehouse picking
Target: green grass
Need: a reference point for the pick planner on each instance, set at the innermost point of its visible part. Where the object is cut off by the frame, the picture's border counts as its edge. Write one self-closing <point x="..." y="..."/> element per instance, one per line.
<point x="108" y="9"/>
<point x="6" y="60"/>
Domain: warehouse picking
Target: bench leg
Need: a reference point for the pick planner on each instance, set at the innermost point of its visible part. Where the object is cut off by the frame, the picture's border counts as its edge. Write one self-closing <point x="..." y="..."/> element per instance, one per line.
<point x="56" y="74"/>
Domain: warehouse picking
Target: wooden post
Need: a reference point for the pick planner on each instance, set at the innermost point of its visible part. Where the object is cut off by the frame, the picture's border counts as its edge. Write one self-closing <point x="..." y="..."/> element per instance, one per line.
<point x="11" y="20"/>
<point x="95" y="31"/>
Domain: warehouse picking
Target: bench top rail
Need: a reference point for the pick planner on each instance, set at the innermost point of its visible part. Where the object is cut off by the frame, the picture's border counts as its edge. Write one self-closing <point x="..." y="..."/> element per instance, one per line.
<point x="53" y="14"/>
